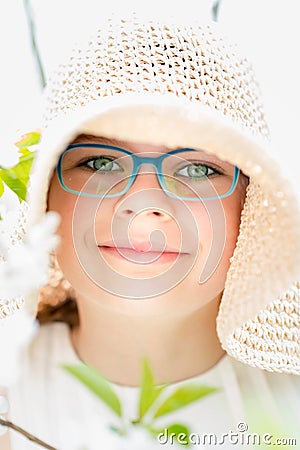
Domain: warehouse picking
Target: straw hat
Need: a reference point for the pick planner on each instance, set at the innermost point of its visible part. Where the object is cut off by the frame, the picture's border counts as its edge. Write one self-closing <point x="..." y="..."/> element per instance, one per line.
<point x="187" y="86"/>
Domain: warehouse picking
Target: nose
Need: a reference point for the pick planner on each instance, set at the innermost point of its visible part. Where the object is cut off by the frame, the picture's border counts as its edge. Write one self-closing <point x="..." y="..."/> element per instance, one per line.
<point x="147" y="199"/>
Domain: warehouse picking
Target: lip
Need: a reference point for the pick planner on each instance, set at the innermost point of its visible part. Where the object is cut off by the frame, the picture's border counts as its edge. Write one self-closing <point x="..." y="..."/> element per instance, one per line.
<point x="141" y="246"/>
<point x="141" y="252"/>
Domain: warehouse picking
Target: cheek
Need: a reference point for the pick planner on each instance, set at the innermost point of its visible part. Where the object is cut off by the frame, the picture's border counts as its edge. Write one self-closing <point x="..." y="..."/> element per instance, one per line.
<point x="63" y="203"/>
<point x="233" y="206"/>
<point x="80" y="217"/>
<point x="218" y="227"/>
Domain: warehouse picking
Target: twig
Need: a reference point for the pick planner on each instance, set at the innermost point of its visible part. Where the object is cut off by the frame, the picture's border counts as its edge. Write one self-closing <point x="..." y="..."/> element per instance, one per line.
<point x="7" y="423"/>
<point x="215" y="10"/>
<point x="36" y="53"/>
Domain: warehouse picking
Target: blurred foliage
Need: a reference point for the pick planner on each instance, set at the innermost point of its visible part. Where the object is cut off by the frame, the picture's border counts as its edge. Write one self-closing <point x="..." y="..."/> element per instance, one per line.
<point x="16" y="177"/>
<point x="272" y="432"/>
<point x="151" y="402"/>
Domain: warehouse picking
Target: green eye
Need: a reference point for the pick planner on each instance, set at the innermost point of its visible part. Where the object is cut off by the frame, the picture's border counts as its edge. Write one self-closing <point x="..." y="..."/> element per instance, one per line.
<point x="196" y="171"/>
<point x="103" y="164"/>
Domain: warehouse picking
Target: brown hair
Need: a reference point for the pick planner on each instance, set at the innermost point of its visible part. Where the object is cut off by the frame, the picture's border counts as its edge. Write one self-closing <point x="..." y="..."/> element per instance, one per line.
<point x="57" y="301"/>
<point x="65" y="311"/>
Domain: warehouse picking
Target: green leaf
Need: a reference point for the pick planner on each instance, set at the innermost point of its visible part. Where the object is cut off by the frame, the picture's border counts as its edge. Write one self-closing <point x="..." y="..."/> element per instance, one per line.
<point x="29" y="139"/>
<point x="172" y="433"/>
<point x="97" y="384"/>
<point x="1" y="187"/>
<point x="14" y="183"/>
<point x="17" y="177"/>
<point x="24" y="151"/>
<point x="181" y="433"/>
<point x="149" y="392"/>
<point x="183" y="396"/>
<point x="23" y="167"/>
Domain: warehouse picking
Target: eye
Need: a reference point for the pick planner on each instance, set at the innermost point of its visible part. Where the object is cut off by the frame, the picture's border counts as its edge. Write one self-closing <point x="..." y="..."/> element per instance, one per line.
<point x="103" y="164"/>
<point x="196" y="171"/>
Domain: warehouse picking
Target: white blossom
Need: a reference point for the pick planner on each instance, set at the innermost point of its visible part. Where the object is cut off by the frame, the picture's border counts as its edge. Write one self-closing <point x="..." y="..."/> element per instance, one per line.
<point x="24" y="266"/>
<point x="23" y="269"/>
<point x="8" y="224"/>
<point x="10" y="157"/>
<point x="15" y="332"/>
<point x="136" y="438"/>
<point x="9" y="203"/>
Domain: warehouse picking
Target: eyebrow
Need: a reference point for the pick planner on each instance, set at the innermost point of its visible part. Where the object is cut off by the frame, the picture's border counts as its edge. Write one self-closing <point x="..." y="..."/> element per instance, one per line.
<point x="86" y="138"/>
<point x="90" y="138"/>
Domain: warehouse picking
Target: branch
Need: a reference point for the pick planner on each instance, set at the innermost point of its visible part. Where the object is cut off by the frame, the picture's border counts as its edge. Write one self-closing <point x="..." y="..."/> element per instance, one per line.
<point x="36" y="53"/>
<point x="215" y="10"/>
<point x="29" y="436"/>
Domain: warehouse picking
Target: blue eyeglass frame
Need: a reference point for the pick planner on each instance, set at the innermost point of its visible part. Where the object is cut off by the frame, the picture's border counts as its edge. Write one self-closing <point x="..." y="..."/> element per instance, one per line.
<point x="138" y="161"/>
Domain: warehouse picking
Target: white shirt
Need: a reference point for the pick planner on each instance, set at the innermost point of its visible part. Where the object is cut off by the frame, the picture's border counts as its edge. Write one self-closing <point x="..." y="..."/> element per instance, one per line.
<point x="49" y="403"/>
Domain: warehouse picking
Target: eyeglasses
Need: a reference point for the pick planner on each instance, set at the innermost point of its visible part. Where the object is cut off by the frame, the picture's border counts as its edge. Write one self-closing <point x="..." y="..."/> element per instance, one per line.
<point x="105" y="171"/>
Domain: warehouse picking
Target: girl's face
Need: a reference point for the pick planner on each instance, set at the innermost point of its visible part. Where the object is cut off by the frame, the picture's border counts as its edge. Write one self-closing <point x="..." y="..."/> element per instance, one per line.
<point x="144" y="250"/>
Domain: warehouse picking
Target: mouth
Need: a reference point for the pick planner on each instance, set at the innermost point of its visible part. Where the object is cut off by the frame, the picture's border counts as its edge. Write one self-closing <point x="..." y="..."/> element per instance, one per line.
<point x="142" y="252"/>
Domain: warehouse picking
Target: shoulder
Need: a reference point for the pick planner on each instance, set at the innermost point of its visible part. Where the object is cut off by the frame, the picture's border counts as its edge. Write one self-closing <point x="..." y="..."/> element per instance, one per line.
<point x="49" y="348"/>
<point x="54" y="338"/>
<point x="268" y="384"/>
<point x="48" y="402"/>
<point x="263" y="380"/>
<point x="268" y="397"/>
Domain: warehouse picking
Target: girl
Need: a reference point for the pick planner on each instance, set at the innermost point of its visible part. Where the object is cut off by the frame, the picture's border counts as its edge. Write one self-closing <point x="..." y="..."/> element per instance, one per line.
<point x="179" y="237"/>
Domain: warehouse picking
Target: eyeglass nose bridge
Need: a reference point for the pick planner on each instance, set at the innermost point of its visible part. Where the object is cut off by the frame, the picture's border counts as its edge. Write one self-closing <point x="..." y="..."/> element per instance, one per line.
<point x="140" y="161"/>
<point x="156" y="162"/>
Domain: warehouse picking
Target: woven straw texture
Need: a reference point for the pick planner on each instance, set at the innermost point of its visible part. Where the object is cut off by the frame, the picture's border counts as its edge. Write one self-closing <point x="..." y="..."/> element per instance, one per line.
<point x="133" y="57"/>
<point x="220" y="111"/>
